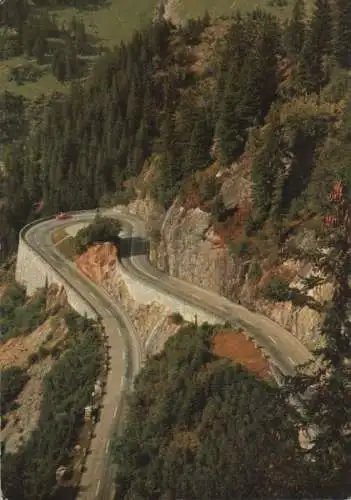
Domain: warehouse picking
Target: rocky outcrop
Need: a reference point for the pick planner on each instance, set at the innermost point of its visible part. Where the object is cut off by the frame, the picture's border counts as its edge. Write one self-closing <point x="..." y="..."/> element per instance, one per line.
<point x="190" y="250"/>
<point x="152" y="321"/>
<point x="31" y="352"/>
<point x="186" y="244"/>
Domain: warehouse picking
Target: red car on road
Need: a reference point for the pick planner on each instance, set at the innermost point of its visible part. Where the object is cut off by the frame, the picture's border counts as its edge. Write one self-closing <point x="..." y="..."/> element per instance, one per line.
<point x="63" y="216"/>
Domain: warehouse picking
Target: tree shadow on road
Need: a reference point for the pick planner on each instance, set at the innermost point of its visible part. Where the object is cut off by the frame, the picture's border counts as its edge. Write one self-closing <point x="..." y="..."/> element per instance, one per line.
<point x="132" y="246"/>
<point x="68" y="493"/>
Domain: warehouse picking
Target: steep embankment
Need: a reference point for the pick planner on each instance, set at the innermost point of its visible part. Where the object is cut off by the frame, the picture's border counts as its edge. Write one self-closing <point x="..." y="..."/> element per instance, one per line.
<point x="188" y="242"/>
<point x="35" y="354"/>
<point x="153" y="322"/>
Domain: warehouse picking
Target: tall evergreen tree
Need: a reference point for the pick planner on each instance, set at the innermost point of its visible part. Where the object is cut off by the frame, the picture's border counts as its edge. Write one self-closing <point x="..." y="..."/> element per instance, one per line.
<point x="324" y="388"/>
<point x="342" y="34"/>
<point x="267" y="168"/>
<point x="322" y="26"/>
<point x="198" y="151"/>
<point x="40" y="48"/>
<point x="229" y="130"/>
<point x="317" y="44"/>
<point x="296" y="29"/>
<point x="309" y="68"/>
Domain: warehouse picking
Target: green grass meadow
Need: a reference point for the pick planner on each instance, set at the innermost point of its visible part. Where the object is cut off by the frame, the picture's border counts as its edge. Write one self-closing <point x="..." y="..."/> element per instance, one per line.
<point x="113" y="22"/>
<point x="216" y="8"/>
<point x="116" y="20"/>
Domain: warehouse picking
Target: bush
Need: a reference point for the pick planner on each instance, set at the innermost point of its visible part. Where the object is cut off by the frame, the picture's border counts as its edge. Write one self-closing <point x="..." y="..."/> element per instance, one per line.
<point x="208" y="189"/>
<point x="17" y="316"/>
<point x="43" y="352"/>
<point x="254" y="224"/>
<point x="123" y="197"/>
<point x="102" y="230"/>
<point x="13" y="379"/>
<point x="255" y="271"/>
<point x="241" y="248"/>
<point x="277" y="289"/>
<point x="55" y="352"/>
<point x="177" y="318"/>
<point x="218" y="209"/>
<point x="25" y="73"/>
<point x="155" y="235"/>
<point x="33" y="358"/>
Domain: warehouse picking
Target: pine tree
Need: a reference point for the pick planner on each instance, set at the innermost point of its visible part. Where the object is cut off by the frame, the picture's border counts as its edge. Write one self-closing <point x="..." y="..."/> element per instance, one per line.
<point x="309" y="68"/>
<point x="322" y="26"/>
<point x="267" y="168"/>
<point x="228" y="128"/>
<point x="58" y="65"/>
<point x="310" y="71"/>
<point x="232" y="58"/>
<point x="40" y="48"/>
<point x="197" y="153"/>
<point x="342" y="35"/>
<point x="259" y="73"/>
<point x="296" y="29"/>
<point x="206" y="20"/>
<point x="80" y="37"/>
<point x="71" y="61"/>
<point x="324" y="388"/>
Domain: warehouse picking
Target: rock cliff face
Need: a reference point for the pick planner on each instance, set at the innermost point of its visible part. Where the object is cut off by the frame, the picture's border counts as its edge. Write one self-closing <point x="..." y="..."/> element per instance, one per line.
<point x="189" y="245"/>
<point x="153" y="322"/>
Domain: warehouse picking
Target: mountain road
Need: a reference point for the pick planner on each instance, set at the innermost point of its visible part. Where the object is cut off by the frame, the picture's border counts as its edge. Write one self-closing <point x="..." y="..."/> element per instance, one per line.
<point x="285" y="350"/>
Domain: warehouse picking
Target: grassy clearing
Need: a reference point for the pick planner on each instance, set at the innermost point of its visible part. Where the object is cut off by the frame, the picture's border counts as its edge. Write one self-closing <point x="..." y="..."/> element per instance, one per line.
<point x="114" y="22"/>
<point x="29" y="90"/>
<point x="216" y="8"/>
<point x="58" y="235"/>
<point x="109" y="25"/>
<point x="67" y="248"/>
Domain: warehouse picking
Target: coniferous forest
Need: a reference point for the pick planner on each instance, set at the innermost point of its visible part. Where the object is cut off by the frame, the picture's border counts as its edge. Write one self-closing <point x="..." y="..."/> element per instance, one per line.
<point x="275" y="93"/>
<point x="140" y="103"/>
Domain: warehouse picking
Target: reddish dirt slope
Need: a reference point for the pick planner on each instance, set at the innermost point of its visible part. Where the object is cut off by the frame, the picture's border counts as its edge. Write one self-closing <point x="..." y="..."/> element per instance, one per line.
<point x="237" y="347"/>
<point x="97" y="261"/>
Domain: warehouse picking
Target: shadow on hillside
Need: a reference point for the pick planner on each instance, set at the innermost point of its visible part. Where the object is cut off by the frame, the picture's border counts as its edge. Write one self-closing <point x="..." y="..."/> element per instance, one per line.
<point x="67" y="493"/>
<point x="133" y="246"/>
<point x="83" y="5"/>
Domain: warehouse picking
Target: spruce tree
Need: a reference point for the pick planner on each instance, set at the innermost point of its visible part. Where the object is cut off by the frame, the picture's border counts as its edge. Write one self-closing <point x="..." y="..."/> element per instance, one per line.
<point x="342" y="34"/>
<point x="39" y="49"/>
<point x="322" y="26"/>
<point x="309" y="68"/>
<point x="323" y="388"/>
<point x="296" y="29"/>
<point x="228" y="128"/>
<point x="197" y="153"/>
<point x="267" y="168"/>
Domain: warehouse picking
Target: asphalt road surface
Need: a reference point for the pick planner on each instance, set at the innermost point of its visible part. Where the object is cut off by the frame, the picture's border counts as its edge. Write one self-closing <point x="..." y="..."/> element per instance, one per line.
<point x="285" y="350"/>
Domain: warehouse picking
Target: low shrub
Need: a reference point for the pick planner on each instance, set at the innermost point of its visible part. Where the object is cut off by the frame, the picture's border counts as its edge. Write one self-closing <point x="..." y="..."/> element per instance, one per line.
<point x="103" y="229"/>
<point x="255" y="271"/>
<point x="17" y="316"/>
<point x="177" y="318"/>
<point x="277" y="289"/>
<point x="241" y="248"/>
<point x="13" y="380"/>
